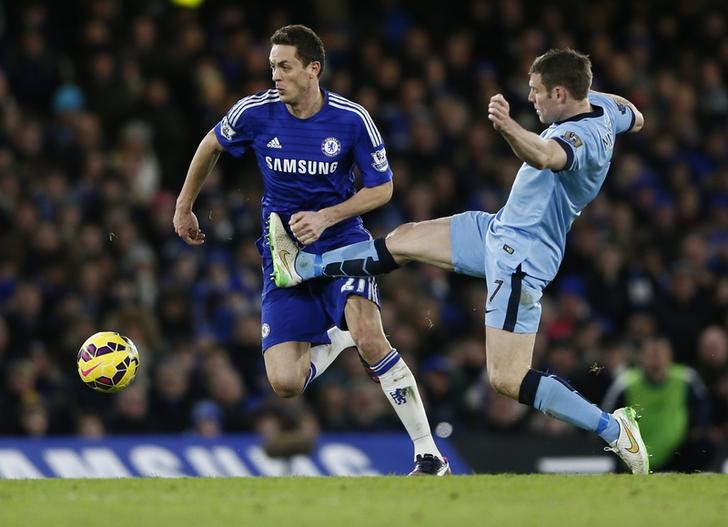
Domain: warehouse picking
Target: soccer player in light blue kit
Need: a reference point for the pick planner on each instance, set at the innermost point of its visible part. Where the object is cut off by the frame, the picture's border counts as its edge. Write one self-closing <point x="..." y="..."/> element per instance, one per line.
<point x="307" y="142"/>
<point x="517" y="250"/>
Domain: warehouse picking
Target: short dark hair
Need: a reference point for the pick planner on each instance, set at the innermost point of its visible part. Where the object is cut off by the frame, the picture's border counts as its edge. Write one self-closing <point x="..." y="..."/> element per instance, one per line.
<point x="564" y="67"/>
<point x="308" y="45"/>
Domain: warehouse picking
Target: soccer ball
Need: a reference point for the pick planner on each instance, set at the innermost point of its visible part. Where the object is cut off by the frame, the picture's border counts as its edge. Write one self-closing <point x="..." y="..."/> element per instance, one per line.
<point x="107" y="361"/>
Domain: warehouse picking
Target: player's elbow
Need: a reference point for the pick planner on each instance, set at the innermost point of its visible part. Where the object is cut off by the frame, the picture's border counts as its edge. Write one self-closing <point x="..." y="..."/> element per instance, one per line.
<point x="639" y="121"/>
<point x="389" y="192"/>
<point x="384" y="193"/>
<point x="543" y="161"/>
<point x="541" y="164"/>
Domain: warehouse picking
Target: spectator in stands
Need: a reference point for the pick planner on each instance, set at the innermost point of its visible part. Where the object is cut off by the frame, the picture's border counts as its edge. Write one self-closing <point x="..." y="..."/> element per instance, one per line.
<point x="131" y="413"/>
<point x="712" y="366"/>
<point x="206" y="419"/>
<point x="674" y="406"/>
<point x="286" y="427"/>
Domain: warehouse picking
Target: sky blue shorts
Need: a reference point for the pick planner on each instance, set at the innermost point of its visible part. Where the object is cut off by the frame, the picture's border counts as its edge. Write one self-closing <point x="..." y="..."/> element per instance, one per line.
<point x="303" y="313"/>
<point x="480" y="250"/>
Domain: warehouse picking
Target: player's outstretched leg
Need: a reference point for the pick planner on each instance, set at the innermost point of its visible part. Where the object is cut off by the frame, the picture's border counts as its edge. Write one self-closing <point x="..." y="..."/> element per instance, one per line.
<point x="291" y="265"/>
<point x="426" y="241"/>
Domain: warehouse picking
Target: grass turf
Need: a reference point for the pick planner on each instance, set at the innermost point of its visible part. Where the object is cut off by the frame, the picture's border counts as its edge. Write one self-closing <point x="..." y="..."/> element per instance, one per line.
<point x="515" y="500"/>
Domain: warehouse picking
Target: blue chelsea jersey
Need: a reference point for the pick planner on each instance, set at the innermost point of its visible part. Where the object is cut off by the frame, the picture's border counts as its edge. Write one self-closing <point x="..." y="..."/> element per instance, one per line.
<point x="543" y="204"/>
<point x="308" y="164"/>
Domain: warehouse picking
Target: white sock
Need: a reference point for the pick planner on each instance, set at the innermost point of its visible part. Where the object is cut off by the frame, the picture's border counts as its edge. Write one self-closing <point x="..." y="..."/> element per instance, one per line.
<point x="324" y="354"/>
<point x="399" y="385"/>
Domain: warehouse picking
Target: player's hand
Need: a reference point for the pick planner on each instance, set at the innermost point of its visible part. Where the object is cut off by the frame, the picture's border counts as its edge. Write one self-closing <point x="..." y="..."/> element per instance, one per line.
<point x="307" y="226"/>
<point x="187" y="227"/>
<point x="499" y="112"/>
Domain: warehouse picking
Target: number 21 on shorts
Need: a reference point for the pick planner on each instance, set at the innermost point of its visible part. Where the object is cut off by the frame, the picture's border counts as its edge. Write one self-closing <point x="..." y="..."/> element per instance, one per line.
<point x="354" y="284"/>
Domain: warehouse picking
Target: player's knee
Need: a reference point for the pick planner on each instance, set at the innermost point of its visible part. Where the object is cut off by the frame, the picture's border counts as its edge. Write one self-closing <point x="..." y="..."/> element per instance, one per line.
<point x="397" y="239"/>
<point x="504" y="383"/>
<point x="286" y="385"/>
<point x="286" y="391"/>
<point x="402" y="230"/>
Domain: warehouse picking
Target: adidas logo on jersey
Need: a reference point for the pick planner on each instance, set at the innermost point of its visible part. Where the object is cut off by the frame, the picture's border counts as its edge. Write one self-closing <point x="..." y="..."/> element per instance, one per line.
<point x="274" y="143"/>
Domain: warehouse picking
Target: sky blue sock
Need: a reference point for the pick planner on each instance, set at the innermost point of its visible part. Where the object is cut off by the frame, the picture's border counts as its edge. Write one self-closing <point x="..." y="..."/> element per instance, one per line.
<point x="367" y="258"/>
<point x="557" y="399"/>
<point x="308" y="265"/>
<point x="356" y="252"/>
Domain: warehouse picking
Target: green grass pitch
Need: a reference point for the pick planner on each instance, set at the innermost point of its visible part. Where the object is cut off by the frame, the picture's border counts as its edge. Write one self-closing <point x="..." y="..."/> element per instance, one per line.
<point x="499" y="500"/>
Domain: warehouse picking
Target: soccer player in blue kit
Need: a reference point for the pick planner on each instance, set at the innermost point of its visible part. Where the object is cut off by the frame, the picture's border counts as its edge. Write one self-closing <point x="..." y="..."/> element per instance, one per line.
<point x="518" y="249"/>
<point x="307" y="142"/>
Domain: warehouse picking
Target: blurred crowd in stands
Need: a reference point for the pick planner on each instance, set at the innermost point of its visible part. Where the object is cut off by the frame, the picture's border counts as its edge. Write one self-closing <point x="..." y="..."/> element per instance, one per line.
<point x="102" y="104"/>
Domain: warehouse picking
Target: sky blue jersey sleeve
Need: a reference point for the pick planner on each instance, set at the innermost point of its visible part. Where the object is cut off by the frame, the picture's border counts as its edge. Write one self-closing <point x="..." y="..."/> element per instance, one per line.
<point x="621" y="115"/>
<point x="234" y="132"/>
<point x="576" y="141"/>
<point x="370" y="154"/>
<point x="579" y="138"/>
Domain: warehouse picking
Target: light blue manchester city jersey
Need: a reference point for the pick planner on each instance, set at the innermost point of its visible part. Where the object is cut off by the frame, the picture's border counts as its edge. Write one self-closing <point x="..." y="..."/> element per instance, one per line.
<point x="308" y="164"/>
<point x="543" y="204"/>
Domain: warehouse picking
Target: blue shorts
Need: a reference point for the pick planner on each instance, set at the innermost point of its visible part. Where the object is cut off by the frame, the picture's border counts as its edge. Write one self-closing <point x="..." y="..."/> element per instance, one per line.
<point x="478" y="249"/>
<point x="303" y="313"/>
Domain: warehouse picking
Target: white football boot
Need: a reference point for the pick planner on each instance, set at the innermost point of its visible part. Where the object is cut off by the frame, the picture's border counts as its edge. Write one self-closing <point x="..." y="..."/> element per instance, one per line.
<point x="284" y="251"/>
<point x="629" y="445"/>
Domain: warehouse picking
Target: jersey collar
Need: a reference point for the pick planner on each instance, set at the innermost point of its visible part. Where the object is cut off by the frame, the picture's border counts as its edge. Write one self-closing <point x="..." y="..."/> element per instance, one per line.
<point x="322" y="110"/>
<point x="597" y="111"/>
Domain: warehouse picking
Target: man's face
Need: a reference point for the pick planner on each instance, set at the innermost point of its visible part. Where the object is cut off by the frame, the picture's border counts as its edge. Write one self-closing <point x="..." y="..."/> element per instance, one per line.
<point x="656" y="358"/>
<point x="543" y="101"/>
<point x="291" y="78"/>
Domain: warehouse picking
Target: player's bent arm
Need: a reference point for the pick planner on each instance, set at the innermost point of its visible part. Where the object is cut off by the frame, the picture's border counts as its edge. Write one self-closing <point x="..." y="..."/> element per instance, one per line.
<point x="201" y="165"/>
<point x="639" y="119"/>
<point x="534" y="150"/>
<point x="366" y="199"/>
